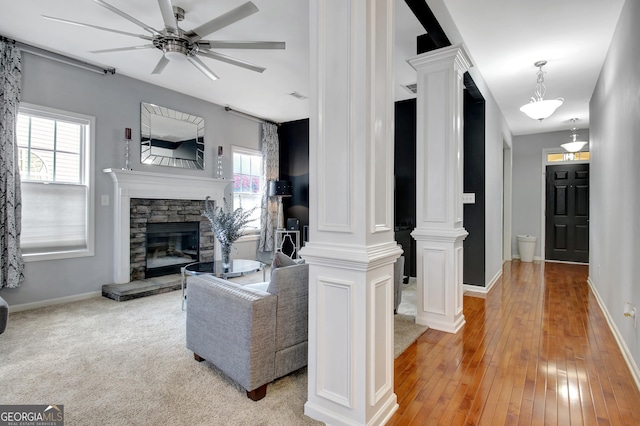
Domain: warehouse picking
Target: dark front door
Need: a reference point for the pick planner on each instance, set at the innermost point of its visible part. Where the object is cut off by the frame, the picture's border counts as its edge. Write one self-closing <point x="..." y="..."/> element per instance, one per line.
<point x="567" y="213"/>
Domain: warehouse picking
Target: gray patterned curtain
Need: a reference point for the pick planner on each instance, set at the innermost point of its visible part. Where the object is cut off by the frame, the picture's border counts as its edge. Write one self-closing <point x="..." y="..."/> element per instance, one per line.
<point x="270" y="171"/>
<point x="12" y="265"/>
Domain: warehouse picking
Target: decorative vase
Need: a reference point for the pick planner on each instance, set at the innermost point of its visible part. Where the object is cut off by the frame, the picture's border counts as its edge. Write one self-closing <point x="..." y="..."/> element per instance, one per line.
<point x="226" y="256"/>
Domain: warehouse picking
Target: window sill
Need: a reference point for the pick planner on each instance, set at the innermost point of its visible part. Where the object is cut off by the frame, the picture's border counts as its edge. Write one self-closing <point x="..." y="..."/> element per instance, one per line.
<point x="248" y="237"/>
<point x="56" y="255"/>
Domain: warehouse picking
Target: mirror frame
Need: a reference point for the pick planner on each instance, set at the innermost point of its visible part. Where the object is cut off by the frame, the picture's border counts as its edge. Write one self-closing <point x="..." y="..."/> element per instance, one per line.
<point x="147" y="110"/>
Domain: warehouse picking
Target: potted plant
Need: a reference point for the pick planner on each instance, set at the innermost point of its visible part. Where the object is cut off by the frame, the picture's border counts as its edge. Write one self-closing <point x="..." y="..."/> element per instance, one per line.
<point x="227" y="225"/>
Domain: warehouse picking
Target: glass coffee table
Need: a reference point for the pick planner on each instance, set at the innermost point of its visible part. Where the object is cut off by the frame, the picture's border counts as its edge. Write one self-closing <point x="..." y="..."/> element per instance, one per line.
<point x="238" y="268"/>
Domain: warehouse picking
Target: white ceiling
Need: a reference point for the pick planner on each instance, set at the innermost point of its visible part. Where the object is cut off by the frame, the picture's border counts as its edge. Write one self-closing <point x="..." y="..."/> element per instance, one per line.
<point x="503" y="37"/>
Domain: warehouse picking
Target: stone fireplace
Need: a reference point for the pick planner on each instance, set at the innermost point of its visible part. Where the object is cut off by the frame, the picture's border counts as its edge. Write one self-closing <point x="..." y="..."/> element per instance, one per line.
<point x="158" y="188"/>
<point x="172" y="219"/>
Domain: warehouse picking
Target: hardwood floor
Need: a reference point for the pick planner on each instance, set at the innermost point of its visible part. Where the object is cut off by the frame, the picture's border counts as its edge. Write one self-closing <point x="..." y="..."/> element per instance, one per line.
<point x="535" y="351"/>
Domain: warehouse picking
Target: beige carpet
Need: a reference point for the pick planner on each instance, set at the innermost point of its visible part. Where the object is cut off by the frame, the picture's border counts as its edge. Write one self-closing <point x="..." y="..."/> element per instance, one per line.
<point x="115" y="363"/>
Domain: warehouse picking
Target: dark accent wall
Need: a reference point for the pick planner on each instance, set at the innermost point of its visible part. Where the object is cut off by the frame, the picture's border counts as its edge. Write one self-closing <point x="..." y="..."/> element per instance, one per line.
<point x="474" y="182"/>
<point x="405" y="180"/>
<point x="294" y="167"/>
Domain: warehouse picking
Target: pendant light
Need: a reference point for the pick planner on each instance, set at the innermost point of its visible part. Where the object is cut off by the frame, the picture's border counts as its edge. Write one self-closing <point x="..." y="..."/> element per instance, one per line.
<point x="538" y="108"/>
<point x="574" y="145"/>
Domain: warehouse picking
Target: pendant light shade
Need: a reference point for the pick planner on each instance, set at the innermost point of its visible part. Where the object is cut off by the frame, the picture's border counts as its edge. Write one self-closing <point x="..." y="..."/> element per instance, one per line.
<point x="575" y="145"/>
<point x="539" y="108"/>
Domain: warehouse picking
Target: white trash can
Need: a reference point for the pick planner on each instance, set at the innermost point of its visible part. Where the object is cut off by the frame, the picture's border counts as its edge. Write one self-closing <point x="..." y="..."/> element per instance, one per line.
<point x="526" y="247"/>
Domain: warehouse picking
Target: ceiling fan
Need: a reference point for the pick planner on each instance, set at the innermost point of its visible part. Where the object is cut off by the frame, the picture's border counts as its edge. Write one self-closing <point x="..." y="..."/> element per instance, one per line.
<point x="177" y="44"/>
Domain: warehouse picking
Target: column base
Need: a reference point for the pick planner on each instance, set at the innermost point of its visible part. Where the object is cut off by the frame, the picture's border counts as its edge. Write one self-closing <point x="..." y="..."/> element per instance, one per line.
<point x="318" y="412"/>
<point x="439" y="256"/>
<point x="351" y="333"/>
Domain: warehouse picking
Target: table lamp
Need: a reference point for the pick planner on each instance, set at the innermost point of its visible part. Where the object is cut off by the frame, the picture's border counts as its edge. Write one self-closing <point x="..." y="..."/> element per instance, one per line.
<point x="280" y="188"/>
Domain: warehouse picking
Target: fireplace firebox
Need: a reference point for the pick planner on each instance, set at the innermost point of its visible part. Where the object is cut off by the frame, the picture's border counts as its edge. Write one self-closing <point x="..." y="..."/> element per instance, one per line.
<point x="170" y="246"/>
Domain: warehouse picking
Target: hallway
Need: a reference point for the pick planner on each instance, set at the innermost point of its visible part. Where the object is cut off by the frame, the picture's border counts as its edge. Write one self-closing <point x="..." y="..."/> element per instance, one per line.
<point x="536" y="350"/>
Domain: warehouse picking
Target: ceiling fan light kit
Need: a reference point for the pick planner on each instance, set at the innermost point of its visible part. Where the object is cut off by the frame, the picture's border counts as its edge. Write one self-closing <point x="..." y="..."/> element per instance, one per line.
<point x="539" y="108"/>
<point x="178" y="45"/>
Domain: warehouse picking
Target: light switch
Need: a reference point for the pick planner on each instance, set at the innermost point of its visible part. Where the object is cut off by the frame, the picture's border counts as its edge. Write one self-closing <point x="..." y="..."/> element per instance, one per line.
<point x="105" y="200"/>
<point x="469" y="198"/>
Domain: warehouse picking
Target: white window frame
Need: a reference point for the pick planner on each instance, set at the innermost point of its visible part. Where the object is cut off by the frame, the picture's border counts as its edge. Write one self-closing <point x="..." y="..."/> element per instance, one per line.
<point x="249" y="233"/>
<point x="88" y="171"/>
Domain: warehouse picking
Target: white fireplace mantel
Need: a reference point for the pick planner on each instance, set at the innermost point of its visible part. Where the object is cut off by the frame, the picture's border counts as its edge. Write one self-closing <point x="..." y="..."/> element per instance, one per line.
<point x="128" y="184"/>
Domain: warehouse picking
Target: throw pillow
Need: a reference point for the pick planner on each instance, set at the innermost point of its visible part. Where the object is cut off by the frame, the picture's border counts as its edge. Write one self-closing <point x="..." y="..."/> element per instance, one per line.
<point x="280" y="259"/>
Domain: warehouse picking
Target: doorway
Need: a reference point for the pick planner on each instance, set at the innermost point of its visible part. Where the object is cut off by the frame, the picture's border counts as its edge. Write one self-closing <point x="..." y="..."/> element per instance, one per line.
<point x="567" y="213"/>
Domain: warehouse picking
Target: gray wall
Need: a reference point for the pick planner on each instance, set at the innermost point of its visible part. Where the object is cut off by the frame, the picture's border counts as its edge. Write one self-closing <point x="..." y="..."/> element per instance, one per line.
<point x="615" y="198"/>
<point x="527" y="182"/>
<point x="115" y="102"/>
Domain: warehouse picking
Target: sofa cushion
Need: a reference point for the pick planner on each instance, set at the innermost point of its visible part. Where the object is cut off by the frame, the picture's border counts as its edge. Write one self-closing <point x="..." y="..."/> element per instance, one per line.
<point x="258" y="286"/>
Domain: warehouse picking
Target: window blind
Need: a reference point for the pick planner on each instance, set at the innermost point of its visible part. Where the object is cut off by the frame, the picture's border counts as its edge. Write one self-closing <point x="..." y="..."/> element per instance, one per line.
<point x="53" y="217"/>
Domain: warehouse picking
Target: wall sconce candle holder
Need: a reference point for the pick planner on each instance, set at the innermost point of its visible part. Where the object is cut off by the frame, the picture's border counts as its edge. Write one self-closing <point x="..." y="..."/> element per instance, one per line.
<point x="127" y="139"/>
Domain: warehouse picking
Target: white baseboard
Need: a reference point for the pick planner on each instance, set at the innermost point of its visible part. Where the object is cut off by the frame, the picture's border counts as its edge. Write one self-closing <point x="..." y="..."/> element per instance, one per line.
<point x="51" y="302"/>
<point x="633" y="367"/>
<point x="517" y="257"/>
<point x="567" y="262"/>
<point x="483" y="289"/>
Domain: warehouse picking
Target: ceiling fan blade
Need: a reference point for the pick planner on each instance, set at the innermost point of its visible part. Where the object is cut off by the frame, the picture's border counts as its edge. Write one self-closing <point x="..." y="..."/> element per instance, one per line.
<point x="228" y="44"/>
<point x="122" y="49"/>
<point x="127" y="16"/>
<point x="170" y="22"/>
<point x="234" y="15"/>
<point x="162" y="63"/>
<point x="202" y="67"/>
<point x="80" y="24"/>
<point x="232" y="61"/>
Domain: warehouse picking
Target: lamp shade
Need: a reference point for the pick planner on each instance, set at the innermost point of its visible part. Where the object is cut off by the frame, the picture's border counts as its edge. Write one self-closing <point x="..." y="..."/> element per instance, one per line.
<point x="574" y="146"/>
<point x="281" y="188"/>
<point x="541" y="109"/>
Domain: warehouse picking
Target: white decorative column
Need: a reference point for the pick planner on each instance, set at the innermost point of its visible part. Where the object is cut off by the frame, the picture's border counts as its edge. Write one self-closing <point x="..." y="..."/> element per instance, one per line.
<point x="439" y="184"/>
<point x="351" y="248"/>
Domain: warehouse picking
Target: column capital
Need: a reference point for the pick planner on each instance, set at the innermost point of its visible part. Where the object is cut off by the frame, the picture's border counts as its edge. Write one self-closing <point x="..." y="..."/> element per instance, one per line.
<point x="456" y="53"/>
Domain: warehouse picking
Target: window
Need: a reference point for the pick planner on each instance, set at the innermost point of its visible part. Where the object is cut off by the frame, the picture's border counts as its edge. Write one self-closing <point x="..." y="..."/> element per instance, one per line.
<point x="55" y="157"/>
<point x="247" y="177"/>
<point x="568" y="156"/>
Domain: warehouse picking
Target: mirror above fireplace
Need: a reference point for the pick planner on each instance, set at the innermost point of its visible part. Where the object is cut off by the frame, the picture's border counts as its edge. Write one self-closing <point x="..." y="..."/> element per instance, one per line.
<point x="171" y="138"/>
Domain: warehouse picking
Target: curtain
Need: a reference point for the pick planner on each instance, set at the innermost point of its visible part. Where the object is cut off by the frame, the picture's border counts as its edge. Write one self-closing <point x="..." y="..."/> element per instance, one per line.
<point x="12" y="265"/>
<point x="270" y="171"/>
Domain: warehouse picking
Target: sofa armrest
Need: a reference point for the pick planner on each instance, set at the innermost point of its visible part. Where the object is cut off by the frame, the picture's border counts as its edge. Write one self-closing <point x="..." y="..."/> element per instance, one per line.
<point x="233" y="328"/>
<point x="4" y="315"/>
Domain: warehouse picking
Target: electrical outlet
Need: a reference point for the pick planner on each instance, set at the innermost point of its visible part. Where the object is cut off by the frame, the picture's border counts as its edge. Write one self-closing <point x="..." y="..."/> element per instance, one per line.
<point x="630" y="312"/>
<point x="105" y="200"/>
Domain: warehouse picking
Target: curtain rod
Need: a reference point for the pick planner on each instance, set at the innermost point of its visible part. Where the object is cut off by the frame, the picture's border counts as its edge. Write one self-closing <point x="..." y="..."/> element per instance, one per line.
<point x="60" y="58"/>
<point x="249" y="116"/>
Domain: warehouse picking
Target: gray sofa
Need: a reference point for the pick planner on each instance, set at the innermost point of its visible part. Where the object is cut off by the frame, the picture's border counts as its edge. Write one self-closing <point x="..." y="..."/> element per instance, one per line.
<point x="4" y="315"/>
<point x="254" y="334"/>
